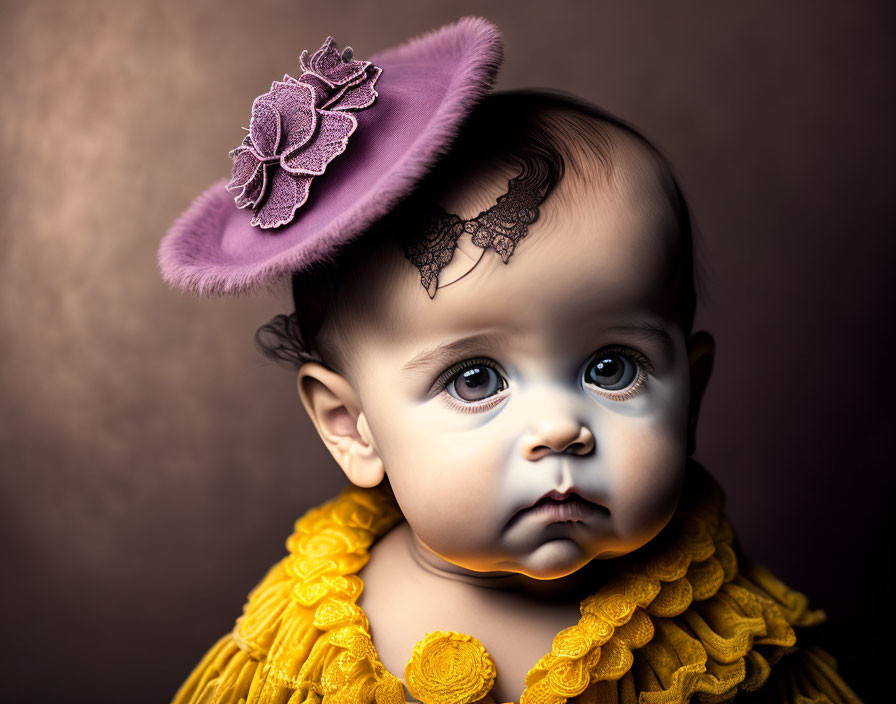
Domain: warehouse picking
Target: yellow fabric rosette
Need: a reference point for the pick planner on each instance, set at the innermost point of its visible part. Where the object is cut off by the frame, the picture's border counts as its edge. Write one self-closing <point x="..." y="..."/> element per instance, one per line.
<point x="449" y="668"/>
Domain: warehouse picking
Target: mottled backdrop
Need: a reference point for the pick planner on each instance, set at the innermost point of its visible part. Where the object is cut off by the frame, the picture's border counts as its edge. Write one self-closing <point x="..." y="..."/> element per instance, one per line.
<point x="152" y="462"/>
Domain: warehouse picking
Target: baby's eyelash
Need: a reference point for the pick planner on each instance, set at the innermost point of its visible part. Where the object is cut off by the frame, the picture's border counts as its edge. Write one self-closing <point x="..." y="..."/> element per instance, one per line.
<point x="644" y="367"/>
<point x="440" y="386"/>
<point x="442" y="381"/>
<point x="473" y="406"/>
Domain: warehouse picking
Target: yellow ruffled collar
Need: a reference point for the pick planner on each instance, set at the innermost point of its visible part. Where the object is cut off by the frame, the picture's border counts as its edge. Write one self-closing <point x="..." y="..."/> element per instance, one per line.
<point x="679" y="617"/>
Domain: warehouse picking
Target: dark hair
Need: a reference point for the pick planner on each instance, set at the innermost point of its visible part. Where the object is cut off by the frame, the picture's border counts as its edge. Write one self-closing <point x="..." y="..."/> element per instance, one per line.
<point x="536" y="132"/>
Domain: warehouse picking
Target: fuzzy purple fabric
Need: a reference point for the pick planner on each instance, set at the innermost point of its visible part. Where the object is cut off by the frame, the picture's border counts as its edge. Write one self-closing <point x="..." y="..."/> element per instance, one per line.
<point x="425" y="90"/>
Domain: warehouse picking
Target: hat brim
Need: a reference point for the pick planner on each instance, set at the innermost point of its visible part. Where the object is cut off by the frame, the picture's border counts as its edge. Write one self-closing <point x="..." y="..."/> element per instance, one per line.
<point x="427" y="87"/>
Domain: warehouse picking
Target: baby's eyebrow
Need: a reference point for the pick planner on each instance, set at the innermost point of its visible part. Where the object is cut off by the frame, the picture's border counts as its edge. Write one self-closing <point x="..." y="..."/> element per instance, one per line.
<point x="643" y="330"/>
<point x="446" y="352"/>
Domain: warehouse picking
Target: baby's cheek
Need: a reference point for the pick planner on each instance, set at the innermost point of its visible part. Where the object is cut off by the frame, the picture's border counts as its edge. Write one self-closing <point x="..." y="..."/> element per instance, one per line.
<point x="446" y="487"/>
<point x="648" y="463"/>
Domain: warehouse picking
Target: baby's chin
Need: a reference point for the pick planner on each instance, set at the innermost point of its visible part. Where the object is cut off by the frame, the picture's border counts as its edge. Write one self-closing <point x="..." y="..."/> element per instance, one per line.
<point x="548" y="558"/>
<point x="559" y="558"/>
<point x="552" y="560"/>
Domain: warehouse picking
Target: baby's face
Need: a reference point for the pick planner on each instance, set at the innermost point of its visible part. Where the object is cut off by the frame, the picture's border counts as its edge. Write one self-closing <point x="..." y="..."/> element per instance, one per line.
<point x="563" y="373"/>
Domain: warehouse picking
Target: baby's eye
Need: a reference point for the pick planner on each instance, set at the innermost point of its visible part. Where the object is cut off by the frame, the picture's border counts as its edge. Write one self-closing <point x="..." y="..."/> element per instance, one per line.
<point x="618" y="373"/>
<point x="473" y="381"/>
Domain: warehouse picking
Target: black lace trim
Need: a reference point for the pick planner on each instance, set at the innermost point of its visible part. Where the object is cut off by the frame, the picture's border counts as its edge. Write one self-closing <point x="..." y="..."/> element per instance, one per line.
<point x="281" y="340"/>
<point x="500" y="227"/>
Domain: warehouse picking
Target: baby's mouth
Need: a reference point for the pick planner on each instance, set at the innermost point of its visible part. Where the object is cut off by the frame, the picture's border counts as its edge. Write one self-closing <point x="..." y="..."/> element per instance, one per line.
<point x="560" y="508"/>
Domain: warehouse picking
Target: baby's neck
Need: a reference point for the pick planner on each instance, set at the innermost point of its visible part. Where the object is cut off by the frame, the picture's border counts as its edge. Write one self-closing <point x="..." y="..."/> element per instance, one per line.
<point x="410" y="591"/>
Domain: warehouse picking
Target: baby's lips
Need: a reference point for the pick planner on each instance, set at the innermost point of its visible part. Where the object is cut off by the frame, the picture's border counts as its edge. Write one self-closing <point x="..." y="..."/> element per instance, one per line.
<point x="576" y="506"/>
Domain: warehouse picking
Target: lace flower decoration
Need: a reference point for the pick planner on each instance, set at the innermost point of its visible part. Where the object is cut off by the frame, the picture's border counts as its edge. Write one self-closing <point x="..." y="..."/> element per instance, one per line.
<point x="297" y="128"/>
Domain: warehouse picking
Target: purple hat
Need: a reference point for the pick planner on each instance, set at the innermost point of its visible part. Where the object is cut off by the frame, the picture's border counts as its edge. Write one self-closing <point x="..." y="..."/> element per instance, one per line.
<point x="327" y="154"/>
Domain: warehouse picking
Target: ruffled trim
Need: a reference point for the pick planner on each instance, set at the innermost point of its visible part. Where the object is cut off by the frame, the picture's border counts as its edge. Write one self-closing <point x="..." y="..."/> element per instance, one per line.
<point x="301" y="628"/>
<point x="808" y="676"/>
<point x="680" y="619"/>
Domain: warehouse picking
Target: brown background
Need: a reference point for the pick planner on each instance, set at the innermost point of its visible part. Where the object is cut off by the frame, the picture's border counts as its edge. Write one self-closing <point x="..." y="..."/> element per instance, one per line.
<point x="152" y="462"/>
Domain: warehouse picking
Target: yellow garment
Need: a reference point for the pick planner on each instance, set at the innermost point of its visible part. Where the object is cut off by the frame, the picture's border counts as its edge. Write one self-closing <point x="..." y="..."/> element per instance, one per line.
<point x="685" y="618"/>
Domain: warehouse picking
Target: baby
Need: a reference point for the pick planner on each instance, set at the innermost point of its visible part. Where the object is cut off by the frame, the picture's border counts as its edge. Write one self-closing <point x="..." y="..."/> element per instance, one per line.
<point x="504" y="368"/>
<point x="532" y="419"/>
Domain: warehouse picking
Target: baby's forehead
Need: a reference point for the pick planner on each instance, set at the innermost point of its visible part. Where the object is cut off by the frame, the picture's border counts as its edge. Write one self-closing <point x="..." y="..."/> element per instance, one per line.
<point x="601" y="246"/>
<point x="612" y="207"/>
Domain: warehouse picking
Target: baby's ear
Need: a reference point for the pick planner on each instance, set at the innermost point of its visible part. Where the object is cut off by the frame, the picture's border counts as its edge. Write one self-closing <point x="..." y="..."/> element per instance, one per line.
<point x="701" y="354"/>
<point x="335" y="410"/>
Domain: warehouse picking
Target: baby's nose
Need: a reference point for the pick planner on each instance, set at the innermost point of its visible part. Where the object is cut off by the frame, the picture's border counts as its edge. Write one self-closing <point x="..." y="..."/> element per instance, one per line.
<point x="558" y="435"/>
